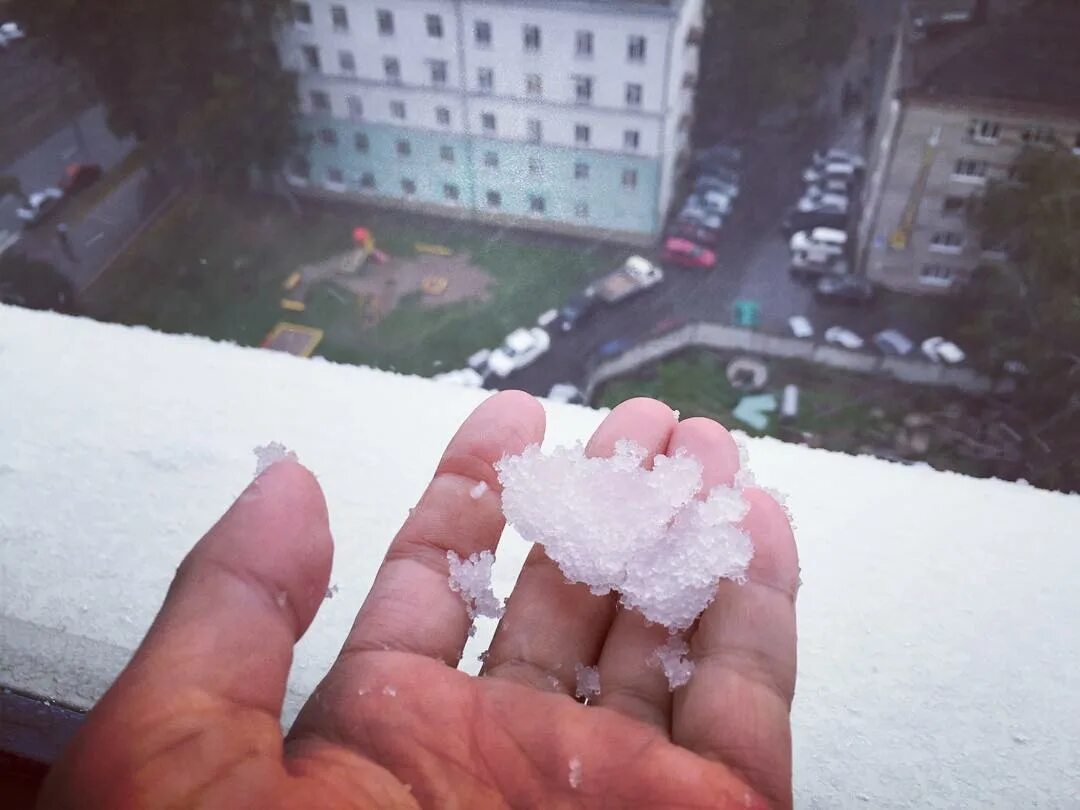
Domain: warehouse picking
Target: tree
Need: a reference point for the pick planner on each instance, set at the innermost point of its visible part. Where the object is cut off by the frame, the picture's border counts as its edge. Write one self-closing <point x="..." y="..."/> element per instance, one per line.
<point x="9" y="184"/>
<point x="762" y="54"/>
<point x="1035" y="216"/>
<point x="34" y="284"/>
<point x="203" y="75"/>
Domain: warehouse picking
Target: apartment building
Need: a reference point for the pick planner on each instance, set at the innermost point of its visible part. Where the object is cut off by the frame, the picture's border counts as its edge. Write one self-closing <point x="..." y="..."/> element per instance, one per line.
<point x="960" y="108"/>
<point x="568" y="115"/>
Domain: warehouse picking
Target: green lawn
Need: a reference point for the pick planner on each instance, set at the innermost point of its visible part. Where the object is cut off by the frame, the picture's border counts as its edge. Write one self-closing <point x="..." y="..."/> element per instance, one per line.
<point x="214" y="265"/>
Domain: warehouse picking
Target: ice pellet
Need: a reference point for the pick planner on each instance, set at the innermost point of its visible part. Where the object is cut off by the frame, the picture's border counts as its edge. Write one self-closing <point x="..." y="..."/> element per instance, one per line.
<point x="588" y="681"/>
<point x="614" y="525"/>
<point x="389" y="691"/>
<point x="267" y="455"/>
<point x="480" y="488"/>
<point x="672" y="658"/>
<point x="471" y="577"/>
<point x="575" y="772"/>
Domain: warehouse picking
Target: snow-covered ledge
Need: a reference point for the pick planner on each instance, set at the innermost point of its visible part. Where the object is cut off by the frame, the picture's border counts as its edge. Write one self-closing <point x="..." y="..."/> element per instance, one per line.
<point x="939" y="659"/>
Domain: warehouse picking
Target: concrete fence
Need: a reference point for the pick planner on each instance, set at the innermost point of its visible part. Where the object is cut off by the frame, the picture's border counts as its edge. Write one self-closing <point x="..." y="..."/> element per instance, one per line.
<point x="728" y="338"/>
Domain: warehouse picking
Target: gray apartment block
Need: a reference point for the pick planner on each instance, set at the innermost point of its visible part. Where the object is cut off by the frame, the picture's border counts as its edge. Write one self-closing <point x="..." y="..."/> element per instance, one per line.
<point x="961" y="105"/>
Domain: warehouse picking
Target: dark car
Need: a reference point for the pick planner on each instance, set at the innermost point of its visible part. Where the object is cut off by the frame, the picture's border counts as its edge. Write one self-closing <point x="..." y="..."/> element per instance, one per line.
<point x="695" y="233"/>
<point x="844" y="289"/>
<point x="720" y="154"/>
<point x="575" y="311"/>
<point x="824" y="217"/>
<point x="79" y="176"/>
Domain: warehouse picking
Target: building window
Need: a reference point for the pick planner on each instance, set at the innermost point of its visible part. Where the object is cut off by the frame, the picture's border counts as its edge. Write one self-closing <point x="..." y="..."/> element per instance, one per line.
<point x="346" y="61"/>
<point x="970" y="171"/>
<point x="631" y="139"/>
<point x="583" y="44"/>
<point x="328" y="137"/>
<point x="936" y="275"/>
<point x="392" y="68"/>
<point x="397" y="110"/>
<point x="531" y="37"/>
<point x="1038" y="136"/>
<point x="438" y="71"/>
<point x="361" y="142"/>
<point x="633" y="95"/>
<point x="629" y="178"/>
<point x="487" y="122"/>
<point x="385" y="22"/>
<point x="408" y="186"/>
<point x="635" y="49"/>
<point x="355" y="106"/>
<point x="535" y="130"/>
<point x="299" y="166"/>
<point x="335" y="176"/>
<point x="311" y="58"/>
<point x="367" y="180"/>
<point x="954" y="205"/>
<point x="434" y="25"/>
<point x="301" y="13"/>
<point x="446" y="154"/>
<point x="482" y="33"/>
<point x="404" y="148"/>
<point x="485" y="79"/>
<point x="340" y="17"/>
<point x="947" y="242"/>
<point x="581" y="171"/>
<point x="982" y="131"/>
<point x="494" y="199"/>
<point x="534" y="85"/>
<point x="581" y="134"/>
<point x="581" y="210"/>
<point x="583" y="89"/>
<point x="491" y="159"/>
<point x="451" y="192"/>
<point x="320" y="101"/>
<point x="536" y="204"/>
<point x="534" y="165"/>
<point x="442" y="116"/>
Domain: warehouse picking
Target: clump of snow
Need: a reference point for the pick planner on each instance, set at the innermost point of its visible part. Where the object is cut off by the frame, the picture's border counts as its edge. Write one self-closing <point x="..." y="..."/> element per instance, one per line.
<point x="575" y="772"/>
<point x="267" y="455"/>
<point x="478" y="490"/>
<point x="471" y="577"/>
<point x="672" y="657"/>
<point x="389" y="691"/>
<point x="588" y="681"/>
<point x="614" y="525"/>
<point x="744" y="477"/>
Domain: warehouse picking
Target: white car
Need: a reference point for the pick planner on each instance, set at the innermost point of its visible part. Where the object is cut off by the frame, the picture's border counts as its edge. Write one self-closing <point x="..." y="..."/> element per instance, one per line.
<point x="10" y="32"/>
<point x="827" y="241"/>
<point x="565" y="392"/>
<point x="38" y="205"/>
<point x="814" y="202"/>
<point x="834" y="171"/>
<point x="718" y="202"/>
<point x="521" y="347"/>
<point x="800" y="326"/>
<point x="843" y="337"/>
<point x="839" y="156"/>
<point x="467" y="377"/>
<point x="940" y="350"/>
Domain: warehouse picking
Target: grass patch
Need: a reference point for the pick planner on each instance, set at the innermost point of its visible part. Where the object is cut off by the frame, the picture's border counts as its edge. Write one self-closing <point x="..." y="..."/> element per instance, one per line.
<point x="214" y="265"/>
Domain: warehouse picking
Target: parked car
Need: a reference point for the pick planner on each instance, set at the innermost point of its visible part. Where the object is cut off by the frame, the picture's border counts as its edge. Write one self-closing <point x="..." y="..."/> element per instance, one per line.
<point x="695" y="233"/>
<point x="814" y="202"/>
<point x="835" y="171"/>
<point x="575" y="311"/>
<point x="819" y="217"/>
<point x="78" y="176"/>
<point x="839" y="156"/>
<point x="824" y="241"/>
<point x="716" y="201"/>
<point x="565" y="392"/>
<point x="713" y="181"/>
<point x="940" y="350"/>
<point x="686" y="254"/>
<point x="38" y="205"/>
<point x="701" y="218"/>
<point x="466" y="377"/>
<point x="803" y="266"/>
<point x="828" y="185"/>
<point x="894" y="342"/>
<point x="846" y="289"/>
<point x="478" y="362"/>
<point x="801" y="326"/>
<point x="719" y="154"/>
<point x="843" y="337"/>
<point x="521" y="347"/>
<point x="636" y="275"/>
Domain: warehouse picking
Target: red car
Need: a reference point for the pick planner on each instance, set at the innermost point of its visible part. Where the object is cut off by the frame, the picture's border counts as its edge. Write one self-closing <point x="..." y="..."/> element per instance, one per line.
<point x="693" y="233"/>
<point x="78" y="176"/>
<point x="687" y="254"/>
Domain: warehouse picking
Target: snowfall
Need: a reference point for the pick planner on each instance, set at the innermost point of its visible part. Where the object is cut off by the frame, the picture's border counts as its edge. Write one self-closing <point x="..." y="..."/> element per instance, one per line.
<point x="939" y="661"/>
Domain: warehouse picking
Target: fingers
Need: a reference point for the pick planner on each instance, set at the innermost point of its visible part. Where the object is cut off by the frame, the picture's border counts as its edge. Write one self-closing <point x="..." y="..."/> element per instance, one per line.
<point x="410" y="607"/>
<point x="628" y="684"/>
<point x="736" y="708"/>
<point x="551" y="625"/>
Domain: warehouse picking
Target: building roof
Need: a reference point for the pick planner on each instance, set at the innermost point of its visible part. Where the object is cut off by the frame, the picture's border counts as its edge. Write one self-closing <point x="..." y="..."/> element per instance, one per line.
<point x="1024" y="55"/>
<point x="937" y="662"/>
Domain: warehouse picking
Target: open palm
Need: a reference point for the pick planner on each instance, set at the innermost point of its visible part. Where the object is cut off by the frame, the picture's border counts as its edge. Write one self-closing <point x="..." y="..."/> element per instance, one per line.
<point x="194" y="718"/>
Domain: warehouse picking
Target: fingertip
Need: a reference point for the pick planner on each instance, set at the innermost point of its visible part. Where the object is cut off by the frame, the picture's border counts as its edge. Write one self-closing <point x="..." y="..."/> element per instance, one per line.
<point x="776" y="555"/>
<point x="712" y="445"/>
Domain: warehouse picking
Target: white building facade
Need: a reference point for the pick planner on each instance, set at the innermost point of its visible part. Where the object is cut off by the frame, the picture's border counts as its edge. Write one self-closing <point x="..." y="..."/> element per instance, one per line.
<point x="570" y="115"/>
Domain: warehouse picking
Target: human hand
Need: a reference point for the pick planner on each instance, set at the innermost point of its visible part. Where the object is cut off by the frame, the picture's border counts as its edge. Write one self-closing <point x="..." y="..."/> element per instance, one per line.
<point x="194" y="718"/>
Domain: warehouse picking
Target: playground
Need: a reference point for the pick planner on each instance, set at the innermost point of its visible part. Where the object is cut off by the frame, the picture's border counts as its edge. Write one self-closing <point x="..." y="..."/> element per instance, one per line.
<point x="354" y="285"/>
